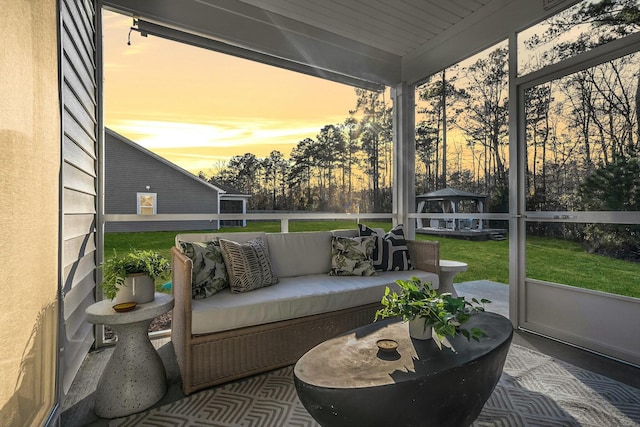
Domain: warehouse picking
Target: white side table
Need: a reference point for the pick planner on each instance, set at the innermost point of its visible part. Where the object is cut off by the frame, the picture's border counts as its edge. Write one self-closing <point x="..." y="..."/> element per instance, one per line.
<point x="134" y="378"/>
<point x="448" y="270"/>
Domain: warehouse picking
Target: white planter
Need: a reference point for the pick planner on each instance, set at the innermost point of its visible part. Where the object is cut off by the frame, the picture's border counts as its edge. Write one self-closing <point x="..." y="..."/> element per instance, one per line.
<point x="138" y="288"/>
<point x="417" y="329"/>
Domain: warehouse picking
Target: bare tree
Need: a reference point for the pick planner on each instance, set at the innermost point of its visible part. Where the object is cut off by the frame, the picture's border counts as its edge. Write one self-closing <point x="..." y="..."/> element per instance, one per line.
<point x="485" y="117"/>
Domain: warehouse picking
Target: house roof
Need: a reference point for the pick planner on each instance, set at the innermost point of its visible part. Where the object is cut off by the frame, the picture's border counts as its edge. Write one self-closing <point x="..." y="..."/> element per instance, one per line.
<point x="449" y="194"/>
<point x="359" y="42"/>
<point x="228" y="190"/>
<point x="222" y="189"/>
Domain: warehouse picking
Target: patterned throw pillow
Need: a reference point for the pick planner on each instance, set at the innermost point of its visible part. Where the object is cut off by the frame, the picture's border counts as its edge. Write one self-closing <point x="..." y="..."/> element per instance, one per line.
<point x="391" y="252"/>
<point x="248" y="264"/>
<point x="352" y="256"/>
<point x="209" y="274"/>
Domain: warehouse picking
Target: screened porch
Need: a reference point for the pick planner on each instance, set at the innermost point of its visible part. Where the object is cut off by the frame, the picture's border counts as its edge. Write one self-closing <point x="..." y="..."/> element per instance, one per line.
<point x="402" y="46"/>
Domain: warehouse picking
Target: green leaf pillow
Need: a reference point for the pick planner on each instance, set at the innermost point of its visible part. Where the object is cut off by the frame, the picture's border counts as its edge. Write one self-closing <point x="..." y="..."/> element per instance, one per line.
<point x="209" y="274"/>
<point x="352" y="256"/>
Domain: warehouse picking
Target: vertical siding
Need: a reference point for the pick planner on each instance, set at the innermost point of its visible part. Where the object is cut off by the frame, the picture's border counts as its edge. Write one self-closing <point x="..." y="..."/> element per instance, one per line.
<point x="79" y="180"/>
<point x="129" y="170"/>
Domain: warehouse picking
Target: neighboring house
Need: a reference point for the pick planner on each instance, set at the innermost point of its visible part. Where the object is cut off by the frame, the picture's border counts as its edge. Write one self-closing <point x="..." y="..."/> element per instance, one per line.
<point x="140" y="182"/>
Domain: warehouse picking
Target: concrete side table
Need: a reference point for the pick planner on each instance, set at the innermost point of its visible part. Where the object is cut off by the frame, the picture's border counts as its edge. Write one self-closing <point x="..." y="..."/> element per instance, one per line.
<point x="134" y="378"/>
<point x="448" y="270"/>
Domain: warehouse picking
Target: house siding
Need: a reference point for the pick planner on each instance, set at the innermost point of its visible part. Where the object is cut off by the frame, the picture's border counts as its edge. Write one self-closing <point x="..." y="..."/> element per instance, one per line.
<point x="79" y="180"/>
<point x="128" y="171"/>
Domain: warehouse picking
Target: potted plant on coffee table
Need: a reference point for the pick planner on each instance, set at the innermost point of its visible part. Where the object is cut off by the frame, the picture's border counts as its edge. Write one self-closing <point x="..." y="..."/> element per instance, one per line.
<point x="430" y="314"/>
<point x="131" y="277"/>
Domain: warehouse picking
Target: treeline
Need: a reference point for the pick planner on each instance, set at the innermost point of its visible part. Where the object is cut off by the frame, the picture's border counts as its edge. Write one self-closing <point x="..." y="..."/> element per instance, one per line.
<point x="581" y="130"/>
<point x="347" y="167"/>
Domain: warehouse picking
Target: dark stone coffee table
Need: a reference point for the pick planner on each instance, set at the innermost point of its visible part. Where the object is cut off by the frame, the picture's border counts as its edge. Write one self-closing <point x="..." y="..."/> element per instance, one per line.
<point x="347" y="381"/>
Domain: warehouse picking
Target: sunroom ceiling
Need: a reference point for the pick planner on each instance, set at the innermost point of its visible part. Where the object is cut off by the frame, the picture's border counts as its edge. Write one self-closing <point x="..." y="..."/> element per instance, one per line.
<point x="365" y="43"/>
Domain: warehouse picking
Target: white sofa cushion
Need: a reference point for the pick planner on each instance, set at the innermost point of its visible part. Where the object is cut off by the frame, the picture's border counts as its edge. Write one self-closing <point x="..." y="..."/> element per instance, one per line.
<point x="300" y="254"/>
<point x="293" y="297"/>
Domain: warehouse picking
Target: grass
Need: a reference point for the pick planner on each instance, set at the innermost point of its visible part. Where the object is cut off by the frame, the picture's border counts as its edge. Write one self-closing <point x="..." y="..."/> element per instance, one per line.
<point x="560" y="261"/>
<point x="487" y="260"/>
<point x="548" y="259"/>
<point x="551" y="260"/>
<point x="158" y="241"/>
<point x="162" y="241"/>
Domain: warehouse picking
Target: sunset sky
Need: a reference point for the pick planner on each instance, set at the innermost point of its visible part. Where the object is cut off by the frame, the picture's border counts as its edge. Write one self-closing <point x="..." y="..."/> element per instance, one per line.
<point x="196" y="107"/>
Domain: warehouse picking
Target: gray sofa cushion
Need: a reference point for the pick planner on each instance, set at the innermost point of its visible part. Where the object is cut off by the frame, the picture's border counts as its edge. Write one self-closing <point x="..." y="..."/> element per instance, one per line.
<point x="240" y="237"/>
<point x="300" y="254"/>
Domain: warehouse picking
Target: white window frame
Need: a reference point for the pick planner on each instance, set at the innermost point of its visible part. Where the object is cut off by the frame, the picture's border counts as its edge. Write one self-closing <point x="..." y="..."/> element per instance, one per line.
<point x="139" y="207"/>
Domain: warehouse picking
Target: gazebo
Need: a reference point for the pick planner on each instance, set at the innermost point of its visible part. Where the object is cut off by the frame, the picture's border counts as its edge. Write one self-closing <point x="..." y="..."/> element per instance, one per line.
<point x="453" y="201"/>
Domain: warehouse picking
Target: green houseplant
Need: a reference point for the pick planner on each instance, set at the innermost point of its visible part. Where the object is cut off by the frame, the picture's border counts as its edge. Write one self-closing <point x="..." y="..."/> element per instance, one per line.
<point x="443" y="313"/>
<point x="130" y="270"/>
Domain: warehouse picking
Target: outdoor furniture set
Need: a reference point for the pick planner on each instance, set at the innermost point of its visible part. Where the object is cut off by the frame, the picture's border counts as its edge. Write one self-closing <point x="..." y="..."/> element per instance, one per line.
<point x="288" y="293"/>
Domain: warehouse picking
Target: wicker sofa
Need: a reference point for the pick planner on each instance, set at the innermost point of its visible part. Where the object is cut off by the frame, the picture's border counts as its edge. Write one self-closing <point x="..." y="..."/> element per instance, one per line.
<point x="229" y="336"/>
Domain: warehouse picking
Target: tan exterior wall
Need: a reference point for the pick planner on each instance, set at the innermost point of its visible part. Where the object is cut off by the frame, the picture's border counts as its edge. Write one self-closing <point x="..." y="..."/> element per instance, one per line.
<point x="29" y="203"/>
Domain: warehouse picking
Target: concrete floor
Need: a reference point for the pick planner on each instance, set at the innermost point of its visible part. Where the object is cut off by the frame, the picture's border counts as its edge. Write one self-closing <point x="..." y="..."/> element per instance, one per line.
<point x="78" y="405"/>
<point x="498" y="293"/>
<point x="77" y="409"/>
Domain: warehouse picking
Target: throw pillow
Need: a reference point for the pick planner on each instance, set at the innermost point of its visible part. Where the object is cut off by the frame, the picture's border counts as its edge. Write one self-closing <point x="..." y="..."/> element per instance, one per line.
<point x="209" y="274"/>
<point x="391" y="252"/>
<point x="248" y="264"/>
<point x="351" y="256"/>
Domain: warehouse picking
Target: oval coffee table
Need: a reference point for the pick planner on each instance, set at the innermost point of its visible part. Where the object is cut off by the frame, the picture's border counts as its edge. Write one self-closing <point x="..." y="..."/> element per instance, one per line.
<point x="347" y="381"/>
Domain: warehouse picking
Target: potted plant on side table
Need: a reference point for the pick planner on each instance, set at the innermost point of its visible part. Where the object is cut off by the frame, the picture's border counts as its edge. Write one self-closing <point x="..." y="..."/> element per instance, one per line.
<point x="430" y="314"/>
<point x="131" y="277"/>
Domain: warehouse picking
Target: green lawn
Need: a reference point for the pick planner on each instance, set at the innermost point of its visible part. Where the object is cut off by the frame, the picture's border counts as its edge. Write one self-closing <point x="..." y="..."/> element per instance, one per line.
<point x="162" y="241"/>
<point x="488" y="260"/>
<point x="560" y="261"/>
<point x="548" y="259"/>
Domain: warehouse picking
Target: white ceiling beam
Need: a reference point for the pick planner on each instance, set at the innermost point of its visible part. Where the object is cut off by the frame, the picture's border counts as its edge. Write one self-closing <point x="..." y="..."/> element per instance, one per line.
<point x="148" y="28"/>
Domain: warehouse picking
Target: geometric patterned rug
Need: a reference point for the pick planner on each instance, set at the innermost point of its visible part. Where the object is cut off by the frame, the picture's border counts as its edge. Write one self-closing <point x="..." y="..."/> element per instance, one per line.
<point x="534" y="390"/>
